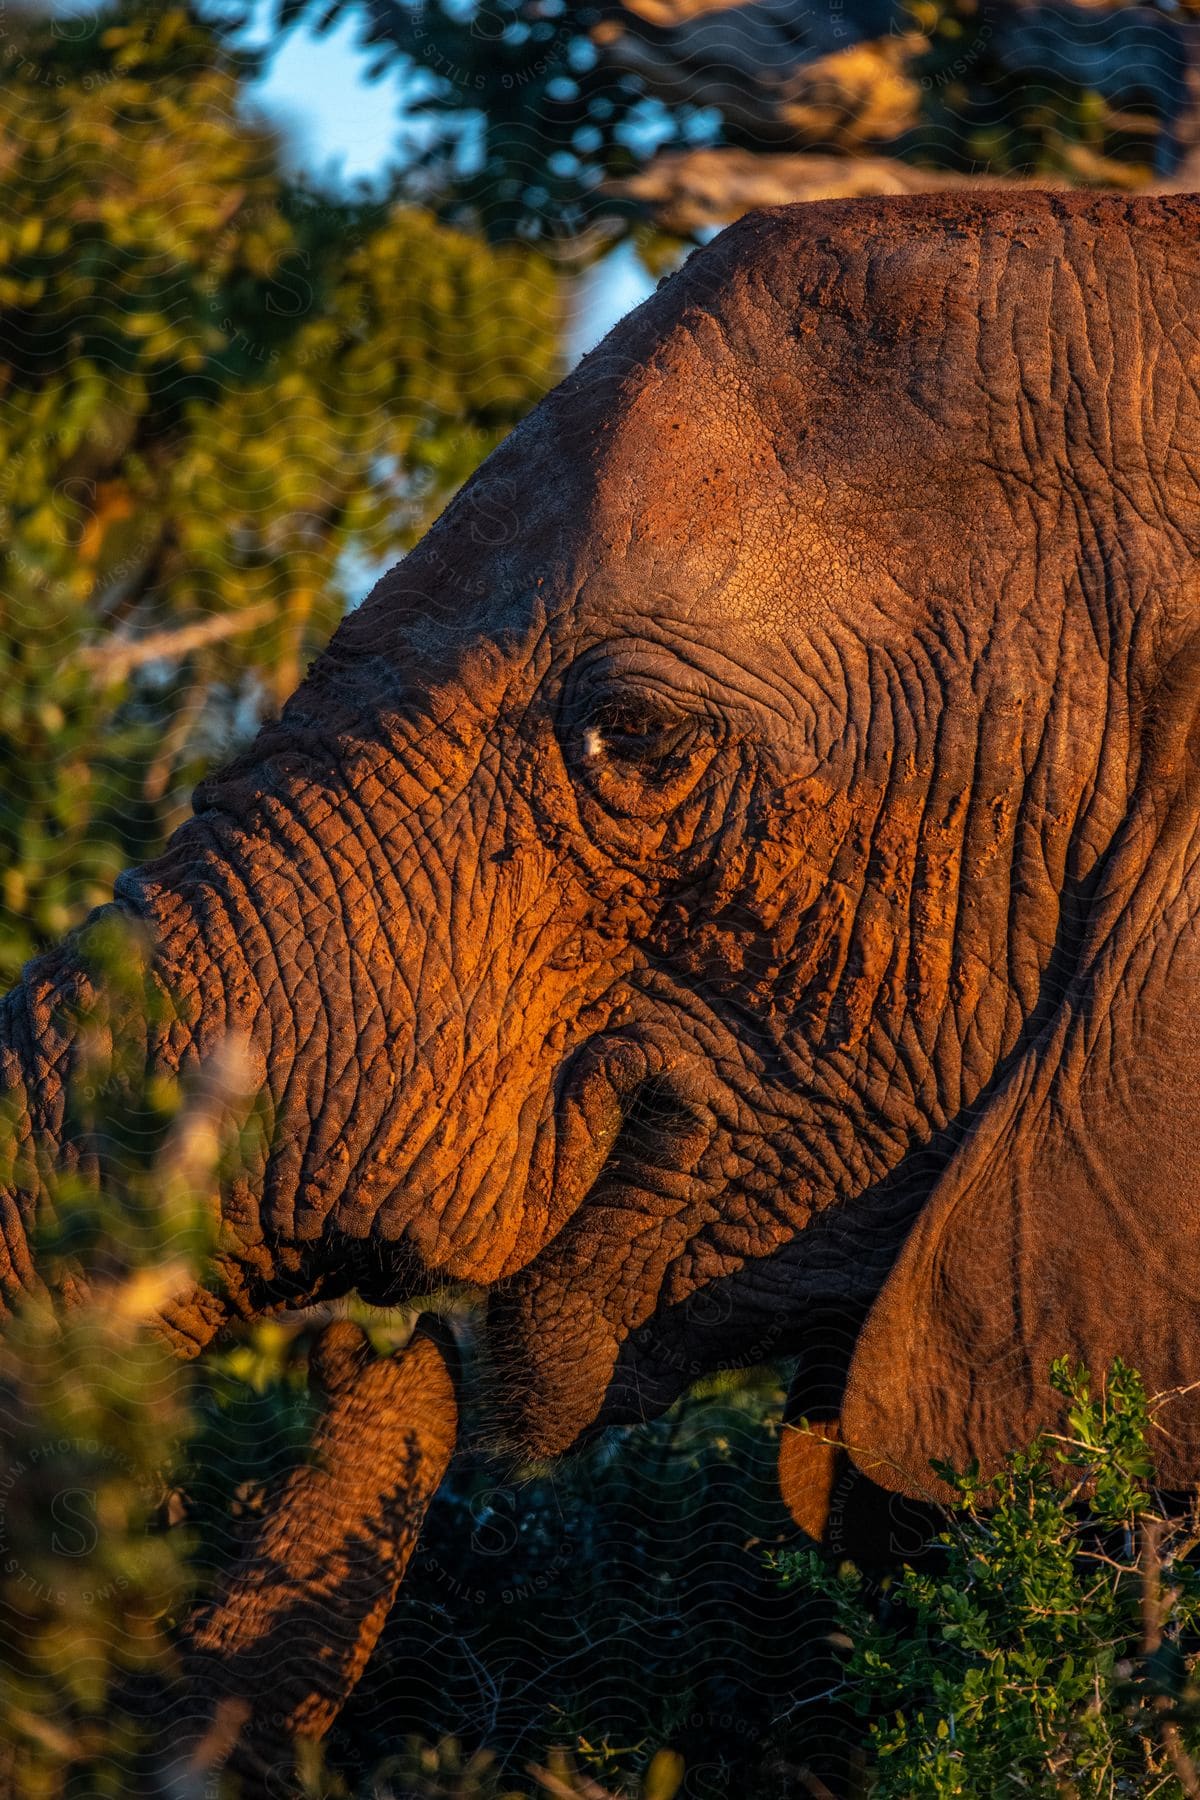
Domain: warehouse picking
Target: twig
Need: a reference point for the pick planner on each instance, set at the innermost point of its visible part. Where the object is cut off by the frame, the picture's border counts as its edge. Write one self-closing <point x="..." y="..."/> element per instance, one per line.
<point x="118" y="657"/>
<point x="812" y="1784"/>
<point x="584" y="1787"/>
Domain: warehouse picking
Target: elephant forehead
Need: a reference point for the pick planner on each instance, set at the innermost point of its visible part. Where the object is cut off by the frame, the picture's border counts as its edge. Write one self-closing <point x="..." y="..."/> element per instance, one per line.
<point x="693" y="506"/>
<point x="840" y="407"/>
<point x="782" y="438"/>
<point x="835" y="394"/>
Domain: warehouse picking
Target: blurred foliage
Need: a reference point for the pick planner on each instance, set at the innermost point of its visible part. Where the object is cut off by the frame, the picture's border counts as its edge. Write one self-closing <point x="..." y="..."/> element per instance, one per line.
<point x="217" y="387"/>
<point x="1052" y="1646"/>
<point x="87" y="1585"/>
<point x="518" y="120"/>
<point x="92" y="1411"/>
<point x="994" y="104"/>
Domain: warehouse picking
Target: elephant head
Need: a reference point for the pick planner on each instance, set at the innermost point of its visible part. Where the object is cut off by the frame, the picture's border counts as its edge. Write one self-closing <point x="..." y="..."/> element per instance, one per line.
<point x="732" y="889"/>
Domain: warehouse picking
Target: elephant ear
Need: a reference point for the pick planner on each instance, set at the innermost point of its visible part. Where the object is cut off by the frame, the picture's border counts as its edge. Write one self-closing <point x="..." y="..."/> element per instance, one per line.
<point x="1068" y="1219"/>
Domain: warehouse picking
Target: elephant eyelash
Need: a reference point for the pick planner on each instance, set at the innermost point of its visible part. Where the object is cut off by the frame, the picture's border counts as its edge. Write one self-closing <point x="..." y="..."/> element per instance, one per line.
<point x="637" y="737"/>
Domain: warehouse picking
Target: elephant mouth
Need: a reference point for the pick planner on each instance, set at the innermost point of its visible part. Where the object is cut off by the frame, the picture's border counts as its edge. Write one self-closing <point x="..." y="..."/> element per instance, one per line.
<point x="666" y="1128"/>
<point x="626" y="1106"/>
<point x="638" y="1117"/>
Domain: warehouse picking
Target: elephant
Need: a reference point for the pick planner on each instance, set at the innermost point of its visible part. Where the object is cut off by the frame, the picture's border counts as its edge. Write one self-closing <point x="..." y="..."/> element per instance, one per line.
<point x="730" y="891"/>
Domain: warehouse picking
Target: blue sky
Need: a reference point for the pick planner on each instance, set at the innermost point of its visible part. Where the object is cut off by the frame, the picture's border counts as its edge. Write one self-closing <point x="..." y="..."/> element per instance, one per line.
<point x="337" y="123"/>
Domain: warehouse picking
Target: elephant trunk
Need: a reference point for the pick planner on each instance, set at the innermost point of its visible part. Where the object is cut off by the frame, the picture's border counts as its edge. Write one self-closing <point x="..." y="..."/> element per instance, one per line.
<point x="201" y="977"/>
<point x="169" y="1008"/>
<point x="270" y="1659"/>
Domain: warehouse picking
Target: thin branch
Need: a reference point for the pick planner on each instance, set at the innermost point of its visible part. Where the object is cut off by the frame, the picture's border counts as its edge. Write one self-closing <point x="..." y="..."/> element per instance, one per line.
<point x="813" y="1785"/>
<point x="116" y="658"/>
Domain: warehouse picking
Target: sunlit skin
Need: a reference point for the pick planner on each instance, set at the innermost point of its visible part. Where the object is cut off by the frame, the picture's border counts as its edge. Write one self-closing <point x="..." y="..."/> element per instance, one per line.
<point x="730" y="891"/>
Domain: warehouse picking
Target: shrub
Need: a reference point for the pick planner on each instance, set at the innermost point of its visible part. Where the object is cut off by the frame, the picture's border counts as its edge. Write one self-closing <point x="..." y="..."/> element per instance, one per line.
<point x="1050" y="1645"/>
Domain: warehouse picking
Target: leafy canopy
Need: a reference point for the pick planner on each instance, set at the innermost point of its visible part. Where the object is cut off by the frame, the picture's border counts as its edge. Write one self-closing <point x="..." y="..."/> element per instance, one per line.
<point x="225" y="396"/>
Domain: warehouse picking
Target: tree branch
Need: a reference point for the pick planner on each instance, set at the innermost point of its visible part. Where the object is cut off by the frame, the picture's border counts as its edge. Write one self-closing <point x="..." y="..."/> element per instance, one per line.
<point x="117" y="657"/>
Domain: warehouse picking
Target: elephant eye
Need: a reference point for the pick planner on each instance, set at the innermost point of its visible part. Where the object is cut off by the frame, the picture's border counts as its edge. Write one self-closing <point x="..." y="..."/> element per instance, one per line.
<point x="636" y="734"/>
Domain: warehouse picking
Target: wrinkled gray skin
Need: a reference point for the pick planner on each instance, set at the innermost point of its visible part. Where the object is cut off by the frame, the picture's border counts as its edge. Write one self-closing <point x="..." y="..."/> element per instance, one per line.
<point x="760" y="815"/>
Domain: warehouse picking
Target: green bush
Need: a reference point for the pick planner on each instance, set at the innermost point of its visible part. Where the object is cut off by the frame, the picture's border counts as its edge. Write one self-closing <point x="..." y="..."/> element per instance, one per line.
<point x="1050" y="1647"/>
<point x="93" y="1413"/>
